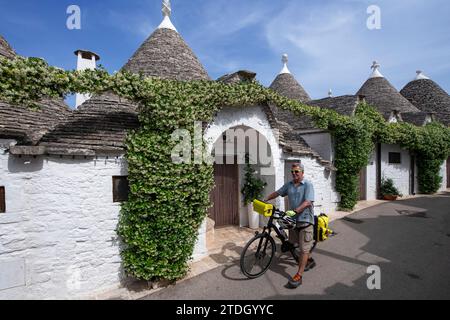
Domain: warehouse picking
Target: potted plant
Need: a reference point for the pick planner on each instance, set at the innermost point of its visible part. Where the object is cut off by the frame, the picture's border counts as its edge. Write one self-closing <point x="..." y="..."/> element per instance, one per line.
<point x="388" y="190"/>
<point x="252" y="189"/>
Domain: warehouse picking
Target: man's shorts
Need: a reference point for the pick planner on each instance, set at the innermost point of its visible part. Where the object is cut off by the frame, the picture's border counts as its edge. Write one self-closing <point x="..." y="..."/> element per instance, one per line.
<point x="304" y="237"/>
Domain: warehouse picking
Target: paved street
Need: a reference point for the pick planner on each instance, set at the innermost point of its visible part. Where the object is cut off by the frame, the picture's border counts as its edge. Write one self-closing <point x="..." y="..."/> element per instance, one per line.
<point x="409" y="240"/>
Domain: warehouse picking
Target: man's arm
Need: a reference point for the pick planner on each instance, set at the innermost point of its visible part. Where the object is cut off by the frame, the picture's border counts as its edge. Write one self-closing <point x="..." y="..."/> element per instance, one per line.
<point x="272" y="196"/>
<point x="303" y="206"/>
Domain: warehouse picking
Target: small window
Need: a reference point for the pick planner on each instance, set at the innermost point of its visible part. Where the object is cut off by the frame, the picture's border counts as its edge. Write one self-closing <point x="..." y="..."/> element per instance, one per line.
<point x="395" y="157"/>
<point x="120" y="189"/>
<point x="2" y="200"/>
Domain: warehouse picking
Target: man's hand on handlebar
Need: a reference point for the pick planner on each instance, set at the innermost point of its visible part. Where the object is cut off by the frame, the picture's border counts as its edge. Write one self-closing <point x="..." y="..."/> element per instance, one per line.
<point x="291" y="213"/>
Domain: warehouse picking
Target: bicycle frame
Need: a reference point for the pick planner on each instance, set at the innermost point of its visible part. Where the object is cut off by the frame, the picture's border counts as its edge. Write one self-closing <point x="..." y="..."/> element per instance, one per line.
<point x="284" y="241"/>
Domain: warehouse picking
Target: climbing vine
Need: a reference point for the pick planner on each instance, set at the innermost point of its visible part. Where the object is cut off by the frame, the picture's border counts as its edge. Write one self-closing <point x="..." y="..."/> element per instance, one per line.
<point x="169" y="201"/>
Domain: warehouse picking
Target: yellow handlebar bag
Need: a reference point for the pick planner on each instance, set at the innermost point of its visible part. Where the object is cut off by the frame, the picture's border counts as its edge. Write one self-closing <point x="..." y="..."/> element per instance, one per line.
<point x="265" y="209"/>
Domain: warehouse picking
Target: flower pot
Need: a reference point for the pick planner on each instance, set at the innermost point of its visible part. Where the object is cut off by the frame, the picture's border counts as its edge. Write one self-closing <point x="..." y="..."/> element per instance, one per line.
<point x="390" y="197"/>
<point x="253" y="217"/>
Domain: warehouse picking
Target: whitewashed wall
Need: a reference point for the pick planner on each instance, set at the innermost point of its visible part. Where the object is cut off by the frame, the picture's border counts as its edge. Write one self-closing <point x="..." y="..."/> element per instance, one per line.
<point x="57" y="237"/>
<point x="400" y="173"/>
<point x="371" y="180"/>
<point x="321" y="143"/>
<point x="444" y="176"/>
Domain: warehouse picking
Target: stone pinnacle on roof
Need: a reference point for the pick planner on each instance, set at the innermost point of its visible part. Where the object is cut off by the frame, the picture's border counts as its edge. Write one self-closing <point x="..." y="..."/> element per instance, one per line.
<point x="376" y="73"/>
<point x="420" y="75"/>
<point x="167" y="11"/>
<point x="330" y="94"/>
<point x="285" y="60"/>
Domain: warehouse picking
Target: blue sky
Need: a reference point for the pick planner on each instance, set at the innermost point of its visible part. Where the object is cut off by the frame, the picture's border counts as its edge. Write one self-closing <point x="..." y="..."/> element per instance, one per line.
<point x="328" y="42"/>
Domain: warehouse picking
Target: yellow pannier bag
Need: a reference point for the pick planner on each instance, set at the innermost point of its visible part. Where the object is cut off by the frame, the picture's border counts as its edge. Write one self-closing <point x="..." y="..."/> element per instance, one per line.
<point x="321" y="230"/>
<point x="265" y="209"/>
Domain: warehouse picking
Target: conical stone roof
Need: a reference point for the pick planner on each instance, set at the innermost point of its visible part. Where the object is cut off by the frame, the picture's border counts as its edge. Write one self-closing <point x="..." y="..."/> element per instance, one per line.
<point x="5" y="50"/>
<point x="429" y="97"/>
<point x="286" y="85"/>
<point x="379" y="93"/>
<point x="166" y="55"/>
<point x="23" y="124"/>
<point x="98" y="126"/>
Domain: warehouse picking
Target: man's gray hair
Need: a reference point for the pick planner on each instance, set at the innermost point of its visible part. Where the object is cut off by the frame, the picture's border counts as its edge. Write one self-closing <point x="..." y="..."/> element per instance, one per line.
<point x="298" y="164"/>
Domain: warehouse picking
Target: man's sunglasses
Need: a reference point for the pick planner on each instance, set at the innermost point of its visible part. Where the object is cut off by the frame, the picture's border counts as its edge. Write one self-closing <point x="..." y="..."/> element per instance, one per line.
<point x="296" y="171"/>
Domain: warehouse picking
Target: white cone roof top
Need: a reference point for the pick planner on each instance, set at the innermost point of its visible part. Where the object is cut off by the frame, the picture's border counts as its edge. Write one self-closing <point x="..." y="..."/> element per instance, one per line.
<point x="285" y="60"/>
<point x="420" y="75"/>
<point x="167" y="23"/>
<point x="376" y="73"/>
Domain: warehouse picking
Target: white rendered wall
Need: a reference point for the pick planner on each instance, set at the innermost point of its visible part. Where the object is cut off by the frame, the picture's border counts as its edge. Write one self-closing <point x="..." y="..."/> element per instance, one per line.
<point x="322" y="143"/>
<point x="60" y="225"/>
<point x="371" y="170"/>
<point x="444" y="176"/>
<point x="400" y="173"/>
<point x="58" y="236"/>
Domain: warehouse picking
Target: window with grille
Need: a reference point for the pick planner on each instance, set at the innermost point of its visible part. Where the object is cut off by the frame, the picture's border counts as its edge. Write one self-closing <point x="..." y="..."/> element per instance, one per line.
<point x="2" y="200"/>
<point x="120" y="189"/>
<point x="395" y="157"/>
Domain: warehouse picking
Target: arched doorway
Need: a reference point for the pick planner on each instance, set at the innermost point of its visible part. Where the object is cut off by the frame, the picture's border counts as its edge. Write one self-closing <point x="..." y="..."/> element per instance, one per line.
<point x="235" y="133"/>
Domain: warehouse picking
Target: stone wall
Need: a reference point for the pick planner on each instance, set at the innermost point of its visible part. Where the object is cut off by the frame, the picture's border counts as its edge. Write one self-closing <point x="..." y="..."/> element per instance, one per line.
<point x="58" y="235"/>
<point x="322" y="143"/>
<point x="399" y="173"/>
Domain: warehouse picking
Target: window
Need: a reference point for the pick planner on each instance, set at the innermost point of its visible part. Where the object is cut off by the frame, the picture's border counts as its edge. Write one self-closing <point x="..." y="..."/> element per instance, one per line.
<point x="120" y="189"/>
<point x="395" y="157"/>
<point x="2" y="200"/>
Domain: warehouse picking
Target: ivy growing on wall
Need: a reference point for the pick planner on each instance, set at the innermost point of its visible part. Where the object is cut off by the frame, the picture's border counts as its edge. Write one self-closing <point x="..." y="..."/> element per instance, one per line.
<point x="169" y="201"/>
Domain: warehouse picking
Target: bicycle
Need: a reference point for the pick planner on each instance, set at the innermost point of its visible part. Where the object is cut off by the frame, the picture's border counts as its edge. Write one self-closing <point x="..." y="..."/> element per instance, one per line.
<point x="262" y="255"/>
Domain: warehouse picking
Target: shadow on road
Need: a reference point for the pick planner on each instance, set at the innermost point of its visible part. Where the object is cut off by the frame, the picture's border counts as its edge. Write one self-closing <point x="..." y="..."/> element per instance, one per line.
<point x="409" y="240"/>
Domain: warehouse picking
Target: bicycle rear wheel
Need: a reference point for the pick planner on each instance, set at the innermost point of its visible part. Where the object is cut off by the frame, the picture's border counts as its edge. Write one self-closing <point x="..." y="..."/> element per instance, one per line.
<point x="257" y="255"/>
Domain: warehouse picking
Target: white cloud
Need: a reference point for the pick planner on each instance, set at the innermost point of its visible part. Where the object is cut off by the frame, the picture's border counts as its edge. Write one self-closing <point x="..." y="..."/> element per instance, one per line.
<point x="330" y="47"/>
<point x="138" y="24"/>
<point x="225" y="17"/>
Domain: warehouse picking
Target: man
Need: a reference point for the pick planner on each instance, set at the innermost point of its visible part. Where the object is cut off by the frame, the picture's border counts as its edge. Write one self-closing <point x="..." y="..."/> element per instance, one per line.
<point x="301" y="202"/>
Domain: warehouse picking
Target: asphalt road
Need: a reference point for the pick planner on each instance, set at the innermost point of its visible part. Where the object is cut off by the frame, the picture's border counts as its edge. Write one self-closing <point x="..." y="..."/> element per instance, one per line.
<point x="409" y="240"/>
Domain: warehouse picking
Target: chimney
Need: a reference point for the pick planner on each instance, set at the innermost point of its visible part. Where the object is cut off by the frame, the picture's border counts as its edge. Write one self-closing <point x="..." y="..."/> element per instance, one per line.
<point x="85" y="60"/>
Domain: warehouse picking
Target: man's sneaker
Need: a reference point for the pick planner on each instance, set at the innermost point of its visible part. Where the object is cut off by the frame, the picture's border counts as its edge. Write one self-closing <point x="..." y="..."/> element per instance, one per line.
<point x="294" y="282"/>
<point x="310" y="264"/>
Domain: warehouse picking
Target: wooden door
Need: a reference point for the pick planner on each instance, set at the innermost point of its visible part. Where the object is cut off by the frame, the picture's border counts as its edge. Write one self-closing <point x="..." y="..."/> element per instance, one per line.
<point x="363" y="184"/>
<point x="448" y="172"/>
<point x="225" y="197"/>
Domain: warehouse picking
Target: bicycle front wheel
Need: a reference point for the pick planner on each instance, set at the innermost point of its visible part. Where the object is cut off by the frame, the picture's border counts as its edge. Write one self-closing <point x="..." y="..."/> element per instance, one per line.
<point x="257" y="255"/>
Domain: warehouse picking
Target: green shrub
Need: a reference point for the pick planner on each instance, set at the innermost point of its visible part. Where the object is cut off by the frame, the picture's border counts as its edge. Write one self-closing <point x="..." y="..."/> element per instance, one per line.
<point x="388" y="188"/>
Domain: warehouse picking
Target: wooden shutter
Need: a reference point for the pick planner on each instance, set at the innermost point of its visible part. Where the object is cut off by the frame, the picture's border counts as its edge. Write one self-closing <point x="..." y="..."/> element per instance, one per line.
<point x="2" y="200"/>
<point x="121" y="189"/>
